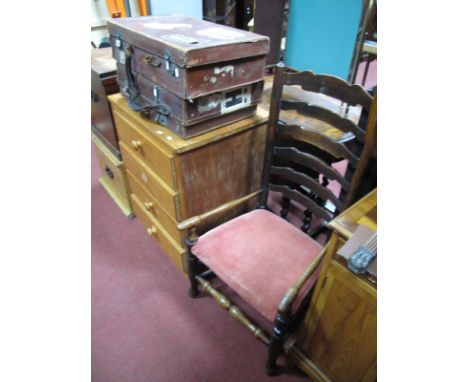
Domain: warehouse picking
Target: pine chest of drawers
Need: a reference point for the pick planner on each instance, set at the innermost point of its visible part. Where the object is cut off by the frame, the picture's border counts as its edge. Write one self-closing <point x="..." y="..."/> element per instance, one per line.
<point x="113" y="175"/>
<point x="172" y="179"/>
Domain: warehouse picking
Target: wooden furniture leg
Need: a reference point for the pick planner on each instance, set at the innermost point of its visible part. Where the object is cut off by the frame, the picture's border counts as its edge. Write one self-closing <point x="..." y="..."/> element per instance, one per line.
<point x="233" y="310"/>
<point x="276" y="343"/>
<point x="192" y="263"/>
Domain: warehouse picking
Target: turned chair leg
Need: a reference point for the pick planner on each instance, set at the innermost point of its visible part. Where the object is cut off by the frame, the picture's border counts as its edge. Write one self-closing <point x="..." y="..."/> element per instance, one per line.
<point x="191" y="268"/>
<point x="276" y="344"/>
<point x="192" y="265"/>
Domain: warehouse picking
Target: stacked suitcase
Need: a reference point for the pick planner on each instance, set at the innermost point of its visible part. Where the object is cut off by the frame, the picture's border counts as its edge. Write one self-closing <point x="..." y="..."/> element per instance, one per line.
<point x="189" y="75"/>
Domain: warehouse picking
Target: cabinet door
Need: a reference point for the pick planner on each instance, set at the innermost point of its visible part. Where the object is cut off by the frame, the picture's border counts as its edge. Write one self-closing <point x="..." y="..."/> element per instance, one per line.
<point x="341" y="335"/>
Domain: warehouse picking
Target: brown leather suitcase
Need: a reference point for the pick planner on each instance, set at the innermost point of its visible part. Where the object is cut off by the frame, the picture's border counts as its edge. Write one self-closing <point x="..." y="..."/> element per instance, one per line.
<point x="103" y="83"/>
<point x="188" y="57"/>
<point x="191" y="59"/>
<point x="190" y="118"/>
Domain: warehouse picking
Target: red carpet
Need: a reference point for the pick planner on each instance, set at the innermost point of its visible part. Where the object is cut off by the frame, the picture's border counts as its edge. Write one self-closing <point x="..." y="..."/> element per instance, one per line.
<point x="144" y="326"/>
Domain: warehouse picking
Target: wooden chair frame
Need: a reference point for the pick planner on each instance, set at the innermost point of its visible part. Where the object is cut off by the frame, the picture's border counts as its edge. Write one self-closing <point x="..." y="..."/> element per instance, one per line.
<point x="200" y="279"/>
<point x="284" y="316"/>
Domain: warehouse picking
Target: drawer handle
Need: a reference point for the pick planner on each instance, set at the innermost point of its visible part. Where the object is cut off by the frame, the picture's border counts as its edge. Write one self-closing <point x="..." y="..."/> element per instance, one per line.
<point x="152" y="231"/>
<point x="148" y="205"/>
<point x="136" y="145"/>
<point x="109" y="172"/>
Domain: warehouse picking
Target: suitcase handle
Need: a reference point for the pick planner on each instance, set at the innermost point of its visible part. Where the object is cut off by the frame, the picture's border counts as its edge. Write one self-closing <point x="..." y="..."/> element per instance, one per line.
<point x="132" y="89"/>
<point x="162" y="112"/>
<point x="170" y="67"/>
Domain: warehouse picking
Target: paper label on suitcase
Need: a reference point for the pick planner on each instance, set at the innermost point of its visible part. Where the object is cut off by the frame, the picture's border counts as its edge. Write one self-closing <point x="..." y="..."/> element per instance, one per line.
<point x="208" y="103"/>
<point x="189" y="40"/>
<point x="236" y="99"/>
<point x="221" y="33"/>
<point x="121" y="54"/>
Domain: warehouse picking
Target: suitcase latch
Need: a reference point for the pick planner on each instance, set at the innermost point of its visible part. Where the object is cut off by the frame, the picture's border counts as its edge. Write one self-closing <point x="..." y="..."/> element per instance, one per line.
<point x="118" y="42"/>
<point x="151" y="60"/>
<point x="170" y="67"/>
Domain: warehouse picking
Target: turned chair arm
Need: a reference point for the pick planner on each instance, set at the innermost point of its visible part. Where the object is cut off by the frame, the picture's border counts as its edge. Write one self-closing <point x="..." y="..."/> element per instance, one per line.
<point x="286" y="303"/>
<point x="197" y="220"/>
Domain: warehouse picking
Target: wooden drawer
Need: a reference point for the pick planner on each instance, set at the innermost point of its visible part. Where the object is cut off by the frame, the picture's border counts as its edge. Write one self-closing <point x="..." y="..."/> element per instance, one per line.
<point x="152" y="206"/>
<point x="168" y="245"/>
<point x="146" y="148"/>
<point x="166" y="196"/>
<point x="114" y="178"/>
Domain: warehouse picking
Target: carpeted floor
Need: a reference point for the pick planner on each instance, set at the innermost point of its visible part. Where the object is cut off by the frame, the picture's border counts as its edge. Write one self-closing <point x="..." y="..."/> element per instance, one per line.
<point x="144" y="326"/>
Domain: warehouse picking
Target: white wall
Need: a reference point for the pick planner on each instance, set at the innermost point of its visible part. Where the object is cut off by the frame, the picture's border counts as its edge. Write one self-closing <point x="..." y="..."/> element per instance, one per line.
<point x="190" y="8"/>
<point x="99" y="16"/>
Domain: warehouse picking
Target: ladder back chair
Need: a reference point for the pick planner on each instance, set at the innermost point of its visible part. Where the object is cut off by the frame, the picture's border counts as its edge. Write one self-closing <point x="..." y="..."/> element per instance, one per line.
<point x="267" y="261"/>
<point x="335" y="133"/>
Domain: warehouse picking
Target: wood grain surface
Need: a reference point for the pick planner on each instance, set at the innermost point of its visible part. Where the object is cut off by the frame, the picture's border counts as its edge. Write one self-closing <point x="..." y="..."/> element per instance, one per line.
<point x="153" y="207"/>
<point x="159" y="233"/>
<point x="344" y="339"/>
<point x="146" y="148"/>
<point x="363" y="212"/>
<point x="218" y="173"/>
<point x="167" y="197"/>
<point x="337" y="340"/>
<point x="296" y="94"/>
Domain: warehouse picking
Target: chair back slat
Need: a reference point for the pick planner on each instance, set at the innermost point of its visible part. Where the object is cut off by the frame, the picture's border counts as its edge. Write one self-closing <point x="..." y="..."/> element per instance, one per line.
<point x="304" y="180"/>
<point x="309" y="160"/>
<point x="331" y="86"/>
<point x="301" y="198"/>
<point x="338" y="150"/>
<point x="325" y="115"/>
<point x="308" y="134"/>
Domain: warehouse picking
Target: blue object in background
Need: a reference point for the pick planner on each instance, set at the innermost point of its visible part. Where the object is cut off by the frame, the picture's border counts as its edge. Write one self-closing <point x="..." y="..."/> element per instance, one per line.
<point x="190" y="8"/>
<point x="321" y="35"/>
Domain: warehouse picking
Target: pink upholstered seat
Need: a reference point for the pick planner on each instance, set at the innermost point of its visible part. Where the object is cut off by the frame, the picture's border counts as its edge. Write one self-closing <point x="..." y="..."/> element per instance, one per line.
<point x="260" y="256"/>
